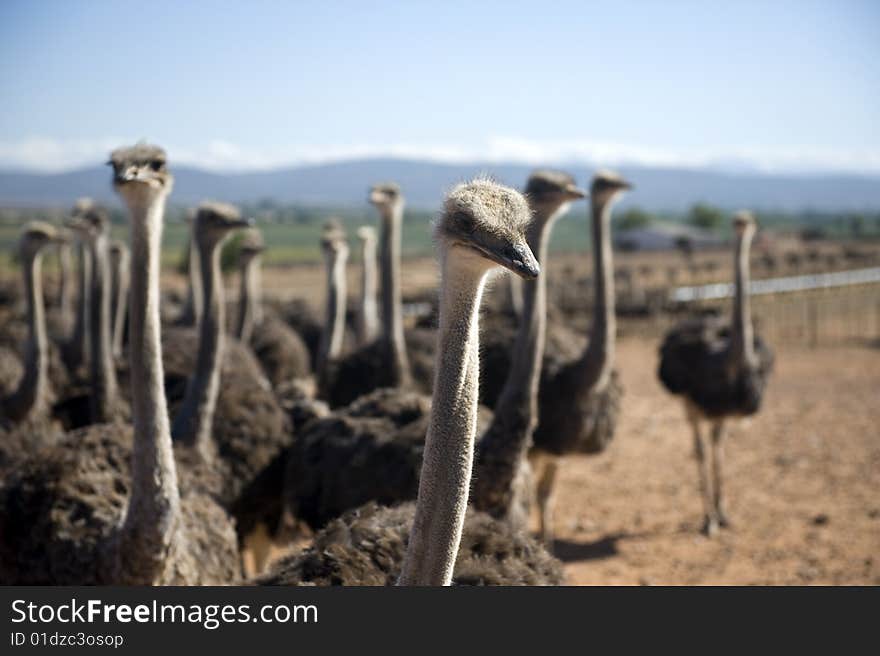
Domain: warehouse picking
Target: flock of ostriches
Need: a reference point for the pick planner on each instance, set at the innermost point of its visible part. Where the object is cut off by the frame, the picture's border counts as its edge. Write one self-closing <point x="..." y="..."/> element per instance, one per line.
<point x="142" y="448"/>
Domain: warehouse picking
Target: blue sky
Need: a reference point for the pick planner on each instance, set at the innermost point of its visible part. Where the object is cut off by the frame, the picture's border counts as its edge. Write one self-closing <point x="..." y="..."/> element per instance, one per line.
<point x="783" y="86"/>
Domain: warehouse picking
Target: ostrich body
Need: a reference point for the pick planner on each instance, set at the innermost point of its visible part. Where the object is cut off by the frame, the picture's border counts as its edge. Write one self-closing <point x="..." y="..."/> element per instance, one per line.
<point x="119" y="262"/>
<point x="483" y="226"/>
<point x="384" y="362"/>
<point x="104" y="505"/>
<point x="721" y="369"/>
<point x="500" y="483"/>
<point x="25" y="422"/>
<point x="367" y="317"/>
<point x="281" y="352"/>
<point x="579" y="402"/>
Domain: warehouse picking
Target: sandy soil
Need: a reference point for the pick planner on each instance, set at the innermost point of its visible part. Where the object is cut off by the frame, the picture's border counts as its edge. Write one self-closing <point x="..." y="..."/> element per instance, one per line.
<point x="802" y="480"/>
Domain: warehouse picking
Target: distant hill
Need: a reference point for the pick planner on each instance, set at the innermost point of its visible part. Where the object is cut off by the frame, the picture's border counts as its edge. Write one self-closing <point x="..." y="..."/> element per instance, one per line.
<point x="423" y="182"/>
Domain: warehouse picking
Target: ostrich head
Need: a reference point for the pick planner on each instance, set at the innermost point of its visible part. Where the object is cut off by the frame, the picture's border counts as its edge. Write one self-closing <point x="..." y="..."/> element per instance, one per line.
<point x="486" y="223"/>
<point x="744" y="223"/>
<point x="89" y="221"/>
<point x="37" y="235"/>
<point x="118" y="249"/>
<point x="553" y="191"/>
<point x="140" y="175"/>
<point x="366" y="234"/>
<point x="333" y="240"/>
<point x="215" y="221"/>
<point x="251" y="245"/>
<point x="607" y="187"/>
<point x="386" y="197"/>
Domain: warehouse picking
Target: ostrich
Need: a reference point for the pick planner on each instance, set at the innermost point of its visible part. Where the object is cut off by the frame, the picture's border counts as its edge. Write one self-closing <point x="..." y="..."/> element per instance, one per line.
<point x="104" y="400"/>
<point x="499" y="479"/>
<point x="231" y="436"/>
<point x="334" y="246"/>
<point x="384" y="362"/>
<point x="281" y="352"/>
<point x="579" y="402"/>
<point x="119" y="261"/>
<point x="25" y="421"/>
<point x="483" y="226"/>
<point x="76" y="350"/>
<point x="720" y="369"/>
<point x="367" y="318"/>
<point x="104" y="507"/>
<point x="65" y="302"/>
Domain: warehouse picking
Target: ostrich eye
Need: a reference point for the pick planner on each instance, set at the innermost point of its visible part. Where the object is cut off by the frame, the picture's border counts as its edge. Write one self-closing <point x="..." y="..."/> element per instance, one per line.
<point x="156" y="165"/>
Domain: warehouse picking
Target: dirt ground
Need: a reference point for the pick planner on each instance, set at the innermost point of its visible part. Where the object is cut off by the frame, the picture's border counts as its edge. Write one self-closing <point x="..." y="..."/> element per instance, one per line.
<point x="802" y="483"/>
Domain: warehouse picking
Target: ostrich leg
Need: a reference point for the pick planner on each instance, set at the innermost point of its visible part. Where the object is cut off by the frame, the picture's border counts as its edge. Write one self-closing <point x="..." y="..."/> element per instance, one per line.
<point x="545" y="471"/>
<point x="710" y="523"/>
<point x="718" y="434"/>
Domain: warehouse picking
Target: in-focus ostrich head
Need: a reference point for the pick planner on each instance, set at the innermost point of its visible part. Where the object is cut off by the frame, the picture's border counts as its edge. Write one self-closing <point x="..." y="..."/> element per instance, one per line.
<point x="486" y="223"/>
<point x="140" y="174"/>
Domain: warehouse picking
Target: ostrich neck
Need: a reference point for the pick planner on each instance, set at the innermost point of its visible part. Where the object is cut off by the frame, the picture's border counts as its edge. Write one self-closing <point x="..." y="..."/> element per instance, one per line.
<point x="334" y="326"/>
<point x="64" y="290"/>
<point x="598" y="358"/>
<point x="192" y="424"/>
<point x="120" y="305"/>
<point x="81" y="328"/>
<point x="192" y="311"/>
<point x="250" y="311"/>
<point x="392" y="310"/>
<point x="502" y="448"/>
<point x="153" y="513"/>
<point x="104" y="397"/>
<point x="368" y="292"/>
<point x="30" y="395"/>
<point x="449" y="445"/>
<point x="742" y="346"/>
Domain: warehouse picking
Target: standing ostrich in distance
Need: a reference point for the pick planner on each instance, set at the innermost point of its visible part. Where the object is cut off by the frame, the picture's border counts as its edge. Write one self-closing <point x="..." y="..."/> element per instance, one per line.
<point x="580" y="401"/>
<point x="500" y="484"/>
<point x="720" y="369"/>
<point x="104" y="506"/>
<point x="483" y="225"/>
<point x="76" y="350"/>
<point x="367" y="318"/>
<point x="104" y="400"/>
<point x="281" y="351"/>
<point x="25" y="421"/>
<point x="192" y="307"/>
<point x="119" y="262"/>
<point x="334" y="247"/>
<point x="230" y="436"/>
<point x="65" y="300"/>
<point x="384" y="362"/>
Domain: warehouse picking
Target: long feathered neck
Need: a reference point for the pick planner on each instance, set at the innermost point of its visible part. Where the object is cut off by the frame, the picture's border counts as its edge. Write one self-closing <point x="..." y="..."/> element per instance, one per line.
<point x="105" y="398"/>
<point x="742" y="344"/>
<point x="392" y="310"/>
<point x="369" y="321"/>
<point x="334" y="323"/>
<point x="598" y="358"/>
<point x="81" y="328"/>
<point x="192" y="311"/>
<point x="250" y="308"/>
<point x="153" y="513"/>
<point x="64" y="300"/>
<point x="31" y="394"/>
<point x="120" y="302"/>
<point x="502" y="448"/>
<point x="449" y="445"/>
<point x="192" y="425"/>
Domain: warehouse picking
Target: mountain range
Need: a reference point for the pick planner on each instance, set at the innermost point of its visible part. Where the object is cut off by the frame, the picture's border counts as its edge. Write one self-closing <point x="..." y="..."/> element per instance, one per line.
<point x="345" y="183"/>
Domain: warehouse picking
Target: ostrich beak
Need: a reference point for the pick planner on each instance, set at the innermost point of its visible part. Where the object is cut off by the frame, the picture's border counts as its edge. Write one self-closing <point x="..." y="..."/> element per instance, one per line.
<point x="575" y="193"/>
<point x="516" y="256"/>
